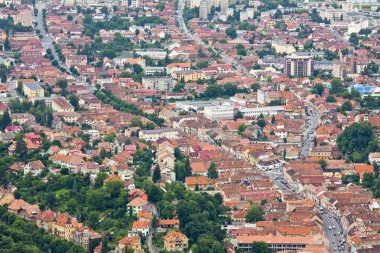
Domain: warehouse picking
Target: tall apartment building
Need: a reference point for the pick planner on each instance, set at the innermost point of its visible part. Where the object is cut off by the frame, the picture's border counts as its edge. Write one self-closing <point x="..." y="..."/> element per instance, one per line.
<point x="159" y="83"/>
<point x="223" y="5"/>
<point x="296" y="65"/>
<point x="203" y="10"/>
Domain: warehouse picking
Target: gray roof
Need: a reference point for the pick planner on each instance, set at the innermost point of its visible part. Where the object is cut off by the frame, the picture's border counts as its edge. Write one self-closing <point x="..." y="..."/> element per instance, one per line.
<point x="32" y="86"/>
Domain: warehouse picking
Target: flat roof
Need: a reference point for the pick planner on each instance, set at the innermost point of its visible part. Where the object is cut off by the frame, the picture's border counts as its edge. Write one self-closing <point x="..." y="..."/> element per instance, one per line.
<point x="32" y="85"/>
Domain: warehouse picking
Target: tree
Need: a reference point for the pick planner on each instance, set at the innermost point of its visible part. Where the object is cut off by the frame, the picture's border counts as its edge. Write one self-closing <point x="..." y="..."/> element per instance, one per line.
<point x="260" y="247"/>
<point x="358" y="139"/>
<point x="368" y="180"/>
<point x="354" y="39"/>
<point x="70" y="17"/>
<point x="242" y="127"/>
<point x="273" y="120"/>
<point x="156" y="174"/>
<point x="323" y="163"/>
<point x="255" y="213"/>
<point x="229" y="89"/>
<point x="203" y="64"/>
<point x="136" y="122"/>
<point x="105" y="244"/>
<point x="93" y="218"/>
<point x="318" y="89"/>
<point x="261" y="123"/>
<point x="231" y="32"/>
<point x="347" y="106"/>
<point x="5" y="121"/>
<point x="212" y="171"/>
<point x="102" y="154"/>
<point x="137" y="69"/>
<point x="21" y="151"/>
<point x="255" y="87"/>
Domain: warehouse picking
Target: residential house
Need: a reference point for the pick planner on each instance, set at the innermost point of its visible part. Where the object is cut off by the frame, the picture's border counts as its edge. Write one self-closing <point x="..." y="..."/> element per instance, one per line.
<point x="175" y="241"/>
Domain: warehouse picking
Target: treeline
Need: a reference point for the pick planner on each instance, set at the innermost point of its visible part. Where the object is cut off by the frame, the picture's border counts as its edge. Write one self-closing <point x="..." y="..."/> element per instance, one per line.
<point x="107" y="97"/>
<point x="18" y="235"/>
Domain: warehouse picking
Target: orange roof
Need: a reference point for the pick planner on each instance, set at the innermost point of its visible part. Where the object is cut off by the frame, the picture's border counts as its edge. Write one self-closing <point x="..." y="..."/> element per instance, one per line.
<point x="200" y="180"/>
<point x="274" y="239"/>
<point x="168" y="222"/>
<point x="362" y="168"/>
<point x="174" y="234"/>
<point x="140" y="224"/>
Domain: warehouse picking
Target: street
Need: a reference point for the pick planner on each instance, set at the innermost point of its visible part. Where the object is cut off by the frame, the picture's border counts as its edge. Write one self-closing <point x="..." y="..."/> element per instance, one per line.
<point x="47" y="39"/>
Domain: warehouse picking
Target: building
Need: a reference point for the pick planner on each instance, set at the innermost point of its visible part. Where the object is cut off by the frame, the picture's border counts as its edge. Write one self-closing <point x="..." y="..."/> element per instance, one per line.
<point x="32" y="89"/>
<point x="154" y="53"/>
<point x="282" y="48"/>
<point x="223" y="5"/>
<point x="265" y="111"/>
<point x="136" y="205"/>
<point x="61" y="105"/>
<point x="154" y="70"/>
<point x="153" y="135"/>
<point x="159" y="83"/>
<point x="299" y="65"/>
<point x="175" y="241"/>
<point x="200" y="182"/>
<point x="164" y="225"/>
<point x="219" y="112"/>
<point x="129" y="242"/>
<point x="275" y="243"/>
<point x="203" y="10"/>
<point x="188" y="75"/>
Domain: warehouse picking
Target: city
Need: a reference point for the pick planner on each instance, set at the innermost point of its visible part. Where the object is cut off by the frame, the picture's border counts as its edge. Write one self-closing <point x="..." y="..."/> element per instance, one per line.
<point x="198" y="126"/>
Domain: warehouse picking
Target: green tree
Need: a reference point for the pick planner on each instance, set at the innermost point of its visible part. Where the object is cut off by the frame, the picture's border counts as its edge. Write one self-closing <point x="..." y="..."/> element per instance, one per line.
<point x="260" y="247"/>
<point x="212" y="172"/>
<point x="318" y="89"/>
<point x="242" y="127"/>
<point x="323" y="163"/>
<point x="156" y="174"/>
<point x="368" y="180"/>
<point x="231" y="32"/>
<point x="21" y="151"/>
<point x="5" y="121"/>
<point x="255" y="213"/>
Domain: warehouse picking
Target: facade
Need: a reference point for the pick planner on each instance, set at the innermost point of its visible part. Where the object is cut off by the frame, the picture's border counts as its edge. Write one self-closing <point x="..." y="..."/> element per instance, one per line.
<point x="61" y="105"/>
<point x="153" y="135"/>
<point x="159" y="83"/>
<point x="188" y="75"/>
<point x="32" y="89"/>
<point x="265" y="111"/>
<point x="219" y="112"/>
<point x="224" y="5"/>
<point x="175" y="241"/>
<point x="299" y="66"/>
<point x="203" y="10"/>
<point x="283" y="48"/>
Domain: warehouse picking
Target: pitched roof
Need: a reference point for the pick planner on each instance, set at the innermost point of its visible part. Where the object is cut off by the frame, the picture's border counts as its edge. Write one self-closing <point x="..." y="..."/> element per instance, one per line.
<point x="137" y="202"/>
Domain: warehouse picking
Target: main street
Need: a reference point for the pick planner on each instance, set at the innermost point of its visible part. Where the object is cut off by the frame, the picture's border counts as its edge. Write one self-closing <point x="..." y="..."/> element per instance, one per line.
<point x="333" y="235"/>
<point x="47" y="39"/>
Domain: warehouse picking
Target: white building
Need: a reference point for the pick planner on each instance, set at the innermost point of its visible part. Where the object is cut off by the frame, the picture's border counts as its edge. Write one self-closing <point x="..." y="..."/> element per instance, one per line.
<point x="355" y="27"/>
<point x="219" y="112"/>
<point x="159" y="83"/>
<point x="265" y="111"/>
<point x="153" y="53"/>
<point x="154" y="135"/>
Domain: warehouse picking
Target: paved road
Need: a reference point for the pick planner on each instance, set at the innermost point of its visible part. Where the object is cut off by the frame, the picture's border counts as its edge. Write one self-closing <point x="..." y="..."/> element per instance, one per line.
<point x="151" y="247"/>
<point x="226" y="58"/>
<point x="47" y="40"/>
<point x="334" y="232"/>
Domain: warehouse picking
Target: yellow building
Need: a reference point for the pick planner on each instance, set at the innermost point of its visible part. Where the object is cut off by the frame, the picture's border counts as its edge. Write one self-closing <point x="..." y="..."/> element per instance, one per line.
<point x="65" y="226"/>
<point x="175" y="241"/>
<point x="32" y="89"/>
<point x="188" y="75"/>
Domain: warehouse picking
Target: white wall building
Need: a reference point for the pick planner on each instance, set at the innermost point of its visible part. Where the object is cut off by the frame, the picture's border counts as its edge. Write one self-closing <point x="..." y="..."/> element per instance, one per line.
<point x="265" y="111"/>
<point x="153" y="135"/>
<point x="219" y="112"/>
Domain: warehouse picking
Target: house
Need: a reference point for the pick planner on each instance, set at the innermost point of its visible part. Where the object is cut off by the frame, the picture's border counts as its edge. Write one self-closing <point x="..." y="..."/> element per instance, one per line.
<point x="364" y="168"/>
<point x="129" y="242"/>
<point x="142" y="227"/>
<point x="65" y="226"/>
<point x="136" y="205"/>
<point x="45" y="220"/>
<point x="200" y="182"/>
<point x="164" y="225"/>
<point x="154" y="135"/>
<point x="175" y="241"/>
<point x="188" y="75"/>
<point x="23" y="209"/>
<point x="34" y="167"/>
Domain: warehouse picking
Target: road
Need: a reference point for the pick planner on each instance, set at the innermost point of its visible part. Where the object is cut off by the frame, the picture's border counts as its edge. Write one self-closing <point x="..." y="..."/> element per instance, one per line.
<point x="225" y="58"/>
<point x="312" y="121"/>
<point x="149" y="238"/>
<point x="47" y="39"/>
<point x="336" y="234"/>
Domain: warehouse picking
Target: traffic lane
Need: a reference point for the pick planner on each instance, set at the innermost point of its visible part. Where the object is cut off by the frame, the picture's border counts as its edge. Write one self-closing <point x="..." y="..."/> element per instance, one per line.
<point x="333" y="235"/>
